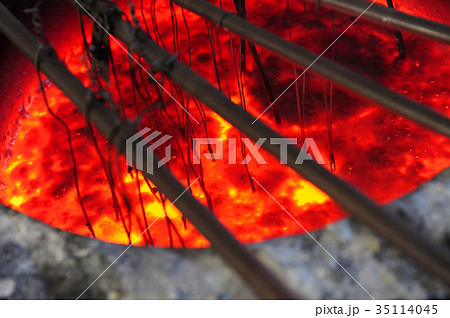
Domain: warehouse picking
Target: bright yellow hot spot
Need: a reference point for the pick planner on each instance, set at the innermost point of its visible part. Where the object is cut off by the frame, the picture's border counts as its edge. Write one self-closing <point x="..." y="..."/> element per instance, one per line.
<point x="307" y="193"/>
<point x="224" y="127"/>
<point x="17" y="201"/>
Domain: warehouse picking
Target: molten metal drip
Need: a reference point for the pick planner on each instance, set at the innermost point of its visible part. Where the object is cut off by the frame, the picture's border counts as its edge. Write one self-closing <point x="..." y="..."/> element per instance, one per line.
<point x="379" y="152"/>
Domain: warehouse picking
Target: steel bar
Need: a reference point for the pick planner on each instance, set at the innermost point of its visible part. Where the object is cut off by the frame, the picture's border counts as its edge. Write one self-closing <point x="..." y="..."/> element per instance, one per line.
<point x="265" y="284"/>
<point x="323" y="66"/>
<point x="391" y="17"/>
<point x="428" y="255"/>
<point x="398" y="36"/>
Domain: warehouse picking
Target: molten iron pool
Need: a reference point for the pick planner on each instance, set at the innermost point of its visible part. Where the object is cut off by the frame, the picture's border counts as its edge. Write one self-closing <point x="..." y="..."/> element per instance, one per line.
<point x="379" y="152"/>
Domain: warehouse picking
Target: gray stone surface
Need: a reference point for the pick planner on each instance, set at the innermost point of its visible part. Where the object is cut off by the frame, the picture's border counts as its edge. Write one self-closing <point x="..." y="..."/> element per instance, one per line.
<point x="7" y="287"/>
<point x="40" y="262"/>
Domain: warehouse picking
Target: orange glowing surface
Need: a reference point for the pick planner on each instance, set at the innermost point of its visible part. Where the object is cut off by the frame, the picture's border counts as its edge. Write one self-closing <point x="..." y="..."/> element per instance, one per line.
<point x="381" y="153"/>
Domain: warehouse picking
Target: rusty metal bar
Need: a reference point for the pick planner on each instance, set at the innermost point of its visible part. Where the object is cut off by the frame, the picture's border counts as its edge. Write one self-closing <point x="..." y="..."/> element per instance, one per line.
<point x="391" y="17"/>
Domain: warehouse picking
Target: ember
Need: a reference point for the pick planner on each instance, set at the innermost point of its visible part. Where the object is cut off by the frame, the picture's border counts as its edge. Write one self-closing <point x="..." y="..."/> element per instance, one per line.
<point x="376" y="150"/>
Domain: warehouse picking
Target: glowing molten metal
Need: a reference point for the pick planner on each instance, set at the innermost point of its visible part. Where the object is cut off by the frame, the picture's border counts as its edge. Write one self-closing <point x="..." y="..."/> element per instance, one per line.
<point x="381" y="153"/>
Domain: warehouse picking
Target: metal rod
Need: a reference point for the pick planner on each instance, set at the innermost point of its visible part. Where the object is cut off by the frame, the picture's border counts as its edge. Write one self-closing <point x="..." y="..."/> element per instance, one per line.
<point x="391" y="17"/>
<point x="251" y="270"/>
<point x="321" y="65"/>
<point x="398" y="36"/>
<point x="425" y="253"/>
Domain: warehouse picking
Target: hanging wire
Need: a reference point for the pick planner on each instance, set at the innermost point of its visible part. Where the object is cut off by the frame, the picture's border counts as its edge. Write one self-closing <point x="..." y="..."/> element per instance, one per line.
<point x="45" y="48"/>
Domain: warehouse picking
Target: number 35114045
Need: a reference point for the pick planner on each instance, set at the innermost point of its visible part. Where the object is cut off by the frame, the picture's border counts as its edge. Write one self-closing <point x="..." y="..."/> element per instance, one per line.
<point x="406" y="309"/>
